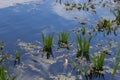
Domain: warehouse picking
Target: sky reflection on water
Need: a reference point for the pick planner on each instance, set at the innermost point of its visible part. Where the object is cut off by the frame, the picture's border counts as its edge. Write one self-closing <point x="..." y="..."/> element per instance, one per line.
<point x="27" y="19"/>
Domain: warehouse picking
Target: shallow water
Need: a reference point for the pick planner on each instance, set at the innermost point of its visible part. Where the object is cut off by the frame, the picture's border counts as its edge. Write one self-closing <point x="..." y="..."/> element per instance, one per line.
<point x="25" y="20"/>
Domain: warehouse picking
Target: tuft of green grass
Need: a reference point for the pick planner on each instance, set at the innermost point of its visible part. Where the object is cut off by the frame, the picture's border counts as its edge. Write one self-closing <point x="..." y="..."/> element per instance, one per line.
<point x="83" y="46"/>
<point x="63" y="39"/>
<point x="47" y="41"/>
<point x="98" y="61"/>
<point x="47" y="44"/>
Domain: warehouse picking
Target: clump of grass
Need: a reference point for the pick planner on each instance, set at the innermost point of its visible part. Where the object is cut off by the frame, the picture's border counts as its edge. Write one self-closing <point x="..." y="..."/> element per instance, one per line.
<point x="63" y="39"/>
<point x="47" y="44"/>
<point x="17" y="58"/>
<point x="105" y="25"/>
<point x="117" y="15"/>
<point x="83" y="46"/>
<point x="98" y="63"/>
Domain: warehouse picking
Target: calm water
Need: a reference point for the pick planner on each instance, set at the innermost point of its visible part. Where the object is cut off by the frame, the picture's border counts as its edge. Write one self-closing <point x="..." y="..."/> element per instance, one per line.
<point x="26" y="21"/>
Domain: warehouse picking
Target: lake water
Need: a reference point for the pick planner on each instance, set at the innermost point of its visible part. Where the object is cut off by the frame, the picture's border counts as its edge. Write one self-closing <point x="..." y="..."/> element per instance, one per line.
<point x="25" y="20"/>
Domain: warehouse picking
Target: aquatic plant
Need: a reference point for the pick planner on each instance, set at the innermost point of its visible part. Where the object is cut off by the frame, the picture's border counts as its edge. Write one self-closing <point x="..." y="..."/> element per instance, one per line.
<point x="5" y="74"/>
<point x="1" y="46"/>
<point x="88" y="70"/>
<point x="116" y="64"/>
<point x="83" y="46"/>
<point x="83" y="30"/>
<point x="47" y="43"/>
<point x="92" y="6"/>
<point x="63" y="39"/>
<point x="79" y="65"/>
<point x="98" y="63"/>
<point x="117" y="15"/>
<point x="17" y="58"/>
<point x="79" y="6"/>
<point x="85" y="7"/>
<point x="105" y="25"/>
<point x="2" y="56"/>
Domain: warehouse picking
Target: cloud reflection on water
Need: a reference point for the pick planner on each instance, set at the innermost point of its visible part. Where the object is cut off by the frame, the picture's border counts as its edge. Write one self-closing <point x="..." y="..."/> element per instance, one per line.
<point x="8" y="3"/>
<point x="60" y="10"/>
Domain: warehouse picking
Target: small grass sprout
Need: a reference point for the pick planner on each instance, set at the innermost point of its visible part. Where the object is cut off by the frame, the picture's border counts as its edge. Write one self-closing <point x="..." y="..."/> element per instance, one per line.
<point x="17" y="58"/>
<point x="1" y="46"/>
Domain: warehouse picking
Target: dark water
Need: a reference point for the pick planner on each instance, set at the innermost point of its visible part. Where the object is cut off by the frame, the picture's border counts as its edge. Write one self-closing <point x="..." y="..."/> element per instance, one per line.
<point x="27" y="21"/>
